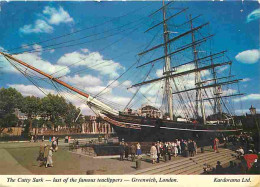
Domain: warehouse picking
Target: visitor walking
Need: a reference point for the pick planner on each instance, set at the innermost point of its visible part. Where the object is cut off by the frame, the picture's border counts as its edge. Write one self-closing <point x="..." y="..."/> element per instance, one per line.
<point x="132" y="152"/>
<point x="49" y="162"/>
<point x="153" y="152"/>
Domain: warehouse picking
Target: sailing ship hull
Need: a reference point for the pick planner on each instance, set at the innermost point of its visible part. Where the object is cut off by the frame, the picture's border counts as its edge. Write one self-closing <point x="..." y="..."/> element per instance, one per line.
<point x="139" y="129"/>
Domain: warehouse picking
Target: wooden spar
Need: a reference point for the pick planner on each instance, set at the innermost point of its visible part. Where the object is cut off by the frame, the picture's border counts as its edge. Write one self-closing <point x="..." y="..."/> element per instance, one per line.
<point x="202" y="82"/>
<point x="224" y="96"/>
<point x="173" y="39"/>
<point x="181" y="73"/>
<point x="210" y="86"/>
<point x="202" y="68"/>
<point x="160" y="8"/>
<point x="165" y="20"/>
<point x="46" y="75"/>
<point x="199" y="59"/>
<point x="179" y="50"/>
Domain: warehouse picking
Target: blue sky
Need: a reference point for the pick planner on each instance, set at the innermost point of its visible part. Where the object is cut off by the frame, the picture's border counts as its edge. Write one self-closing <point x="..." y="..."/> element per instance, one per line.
<point x="235" y="25"/>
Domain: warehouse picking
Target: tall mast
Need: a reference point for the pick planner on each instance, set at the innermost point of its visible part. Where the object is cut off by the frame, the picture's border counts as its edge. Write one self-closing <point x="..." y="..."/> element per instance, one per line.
<point x="217" y="92"/>
<point x="167" y="65"/>
<point x="197" y="80"/>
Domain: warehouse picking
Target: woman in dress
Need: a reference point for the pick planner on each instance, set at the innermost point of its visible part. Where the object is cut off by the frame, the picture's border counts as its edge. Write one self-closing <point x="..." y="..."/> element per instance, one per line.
<point x="153" y="152"/>
<point x="175" y="149"/>
<point x="138" y="149"/>
<point x="49" y="162"/>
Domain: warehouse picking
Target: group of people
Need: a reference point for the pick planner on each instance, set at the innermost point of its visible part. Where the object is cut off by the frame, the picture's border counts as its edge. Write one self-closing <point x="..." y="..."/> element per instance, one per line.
<point x="125" y="150"/>
<point x="175" y="148"/>
<point x="46" y="153"/>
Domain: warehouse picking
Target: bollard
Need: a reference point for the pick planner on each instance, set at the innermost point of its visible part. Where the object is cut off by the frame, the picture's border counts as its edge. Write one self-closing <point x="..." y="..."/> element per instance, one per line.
<point x="90" y="172"/>
<point x="138" y="164"/>
<point x="186" y="153"/>
<point x="166" y="158"/>
<point x="202" y="149"/>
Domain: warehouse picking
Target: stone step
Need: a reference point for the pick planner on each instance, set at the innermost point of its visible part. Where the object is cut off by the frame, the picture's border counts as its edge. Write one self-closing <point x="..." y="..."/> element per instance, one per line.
<point x="170" y="163"/>
<point x="212" y="159"/>
<point x="178" y="164"/>
<point x="185" y="166"/>
<point x="199" y="166"/>
<point x="199" y="171"/>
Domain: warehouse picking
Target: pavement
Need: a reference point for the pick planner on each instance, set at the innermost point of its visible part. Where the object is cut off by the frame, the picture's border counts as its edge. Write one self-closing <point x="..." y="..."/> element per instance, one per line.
<point x="20" y="158"/>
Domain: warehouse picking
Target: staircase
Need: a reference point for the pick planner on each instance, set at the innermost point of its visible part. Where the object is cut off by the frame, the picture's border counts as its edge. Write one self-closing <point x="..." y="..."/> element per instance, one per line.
<point x="190" y="165"/>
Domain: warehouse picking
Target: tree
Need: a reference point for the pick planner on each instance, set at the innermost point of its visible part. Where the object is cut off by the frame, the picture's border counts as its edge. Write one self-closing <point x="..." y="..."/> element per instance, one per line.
<point x="31" y="106"/>
<point x="54" y="108"/>
<point x="10" y="99"/>
<point x="73" y="116"/>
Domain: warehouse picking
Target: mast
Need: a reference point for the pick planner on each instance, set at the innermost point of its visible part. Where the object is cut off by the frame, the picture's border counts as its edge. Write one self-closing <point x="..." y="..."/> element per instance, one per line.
<point x="167" y="68"/>
<point x="197" y="80"/>
<point x="217" y="93"/>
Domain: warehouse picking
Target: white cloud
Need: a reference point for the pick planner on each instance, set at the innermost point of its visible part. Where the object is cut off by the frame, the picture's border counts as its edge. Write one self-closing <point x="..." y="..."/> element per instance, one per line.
<point x="159" y="72"/>
<point x="248" y="98"/>
<point x="97" y="89"/>
<point x="57" y="16"/>
<point x="82" y="81"/>
<point x="40" y="26"/>
<point x="246" y="80"/>
<point x="249" y="56"/>
<point x="229" y="91"/>
<point x="35" y="60"/>
<point x="37" y="48"/>
<point x="30" y="90"/>
<point x="50" y="16"/>
<point x="93" y="60"/>
<point x="253" y="15"/>
<point x="222" y="69"/>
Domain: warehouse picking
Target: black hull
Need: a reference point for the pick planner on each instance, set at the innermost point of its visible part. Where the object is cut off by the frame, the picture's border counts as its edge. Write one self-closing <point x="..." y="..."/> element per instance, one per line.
<point x="138" y="129"/>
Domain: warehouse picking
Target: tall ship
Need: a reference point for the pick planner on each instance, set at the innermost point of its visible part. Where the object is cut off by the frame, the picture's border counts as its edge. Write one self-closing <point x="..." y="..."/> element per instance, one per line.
<point x="193" y="91"/>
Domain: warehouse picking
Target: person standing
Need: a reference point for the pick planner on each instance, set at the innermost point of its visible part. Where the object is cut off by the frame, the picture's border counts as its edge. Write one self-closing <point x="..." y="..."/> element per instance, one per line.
<point x="158" y="149"/>
<point x="138" y="149"/>
<point x="132" y="151"/>
<point x="121" y="151"/>
<point x="49" y="162"/>
<point x="219" y="168"/>
<point x="153" y="152"/>
<point x="192" y="144"/>
<point x="195" y="147"/>
<point x="54" y="145"/>
<point x="45" y="155"/>
<point x="170" y="150"/>
<point x="178" y="146"/>
<point x="175" y="149"/>
<point x="216" y="144"/>
<point x="126" y="151"/>
<point x="42" y="138"/>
